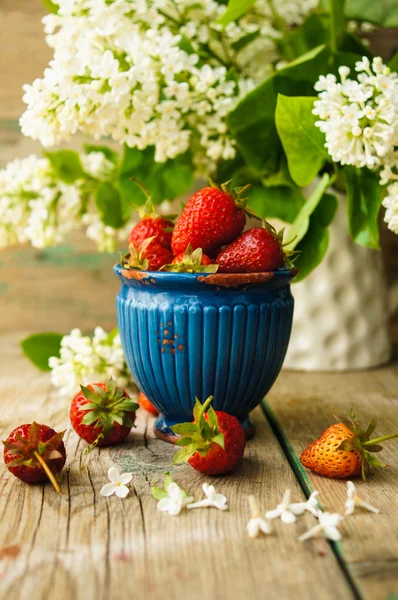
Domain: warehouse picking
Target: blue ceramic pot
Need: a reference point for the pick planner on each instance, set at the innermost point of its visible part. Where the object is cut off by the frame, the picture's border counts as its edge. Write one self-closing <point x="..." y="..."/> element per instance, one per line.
<point x="187" y="335"/>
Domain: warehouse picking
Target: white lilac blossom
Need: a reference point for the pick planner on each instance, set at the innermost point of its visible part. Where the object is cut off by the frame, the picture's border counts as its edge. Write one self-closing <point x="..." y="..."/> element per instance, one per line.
<point x="118" y="483"/>
<point x="174" y="500"/>
<point x="283" y="511"/>
<point x="311" y="505"/>
<point x="84" y="359"/>
<point x="37" y="207"/>
<point x="327" y="524"/>
<point x="218" y="501"/>
<point x="152" y="73"/>
<point x="354" y="501"/>
<point x="390" y="203"/>
<point x="257" y="524"/>
<point x="359" y="117"/>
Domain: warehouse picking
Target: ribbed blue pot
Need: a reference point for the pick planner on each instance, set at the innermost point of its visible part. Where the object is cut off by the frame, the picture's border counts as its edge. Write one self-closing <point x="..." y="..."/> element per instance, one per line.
<point x="187" y="335"/>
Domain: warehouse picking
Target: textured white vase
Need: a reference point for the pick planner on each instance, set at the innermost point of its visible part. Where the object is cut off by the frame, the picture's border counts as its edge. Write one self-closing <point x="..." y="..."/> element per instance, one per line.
<point x="341" y="315"/>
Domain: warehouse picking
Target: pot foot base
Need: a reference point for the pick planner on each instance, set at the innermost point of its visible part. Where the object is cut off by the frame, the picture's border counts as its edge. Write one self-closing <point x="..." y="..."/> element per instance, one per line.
<point x="163" y="432"/>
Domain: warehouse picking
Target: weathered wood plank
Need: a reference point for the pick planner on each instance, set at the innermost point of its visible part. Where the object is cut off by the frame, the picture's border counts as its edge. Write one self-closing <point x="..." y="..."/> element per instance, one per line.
<point x="81" y="545"/>
<point x="304" y="406"/>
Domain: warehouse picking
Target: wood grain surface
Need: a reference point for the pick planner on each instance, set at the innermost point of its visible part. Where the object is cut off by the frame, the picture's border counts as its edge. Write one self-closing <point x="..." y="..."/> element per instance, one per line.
<point x="81" y="545"/>
<point x="303" y="406"/>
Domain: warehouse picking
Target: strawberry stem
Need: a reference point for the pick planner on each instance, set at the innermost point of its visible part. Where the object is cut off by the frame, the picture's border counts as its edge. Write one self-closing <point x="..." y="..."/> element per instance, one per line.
<point x="142" y="187"/>
<point x="48" y="472"/>
<point x="380" y="439"/>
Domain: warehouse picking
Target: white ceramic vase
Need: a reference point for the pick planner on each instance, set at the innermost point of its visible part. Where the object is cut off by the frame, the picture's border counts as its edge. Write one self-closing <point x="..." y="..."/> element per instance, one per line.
<point x="341" y="315"/>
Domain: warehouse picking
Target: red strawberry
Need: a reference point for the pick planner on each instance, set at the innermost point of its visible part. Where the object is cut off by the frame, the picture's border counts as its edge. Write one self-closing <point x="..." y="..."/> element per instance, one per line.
<point x="147" y="405"/>
<point x="35" y="454"/>
<point x="212" y="217"/>
<point x="151" y="224"/>
<point x="344" y="449"/>
<point x="191" y="261"/>
<point x="102" y="414"/>
<point x="213" y="444"/>
<point x="255" y="251"/>
<point x="150" y="256"/>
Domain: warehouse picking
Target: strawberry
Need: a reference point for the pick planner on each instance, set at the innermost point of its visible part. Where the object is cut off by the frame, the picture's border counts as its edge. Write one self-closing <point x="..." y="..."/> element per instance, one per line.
<point x="151" y="224"/>
<point x="255" y="251"/>
<point x="214" y="443"/>
<point x="345" y="449"/>
<point x="102" y="414"/>
<point x="212" y="217"/>
<point x="150" y="256"/>
<point x="35" y="454"/>
<point x="191" y="261"/>
<point x="147" y="405"/>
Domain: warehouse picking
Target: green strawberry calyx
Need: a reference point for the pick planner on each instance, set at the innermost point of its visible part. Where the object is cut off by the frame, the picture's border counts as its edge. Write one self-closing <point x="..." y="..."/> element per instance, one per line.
<point x="191" y="263"/>
<point x="148" y="210"/>
<point x="237" y="194"/>
<point x="135" y="257"/>
<point x="289" y="256"/>
<point x="362" y="442"/>
<point x="200" y="435"/>
<point x="105" y="407"/>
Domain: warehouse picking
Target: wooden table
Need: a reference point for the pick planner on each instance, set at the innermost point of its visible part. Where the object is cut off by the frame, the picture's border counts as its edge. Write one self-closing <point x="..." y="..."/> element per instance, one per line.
<point x="84" y="546"/>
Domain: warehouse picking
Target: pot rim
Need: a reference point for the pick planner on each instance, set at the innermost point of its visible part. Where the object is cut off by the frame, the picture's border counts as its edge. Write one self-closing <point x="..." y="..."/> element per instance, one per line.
<point x="268" y="279"/>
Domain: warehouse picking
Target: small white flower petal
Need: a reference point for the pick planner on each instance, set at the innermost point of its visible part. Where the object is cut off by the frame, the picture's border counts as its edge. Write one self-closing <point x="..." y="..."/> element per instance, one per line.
<point x="298" y="508"/>
<point x="164" y="504"/>
<point x="108" y="489"/>
<point x="121" y="491"/>
<point x="253" y="528"/>
<point x="125" y="478"/>
<point x="332" y="533"/>
<point x="288" y="517"/>
<point x="113" y="474"/>
<point x="175" y="509"/>
<point x="175" y="492"/>
<point x="273" y="514"/>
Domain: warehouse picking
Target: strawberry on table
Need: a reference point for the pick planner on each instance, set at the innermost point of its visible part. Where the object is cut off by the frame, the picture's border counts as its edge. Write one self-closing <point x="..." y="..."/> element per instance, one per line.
<point x="214" y="443"/>
<point x="345" y="449"/>
<point x="212" y="218"/>
<point x="150" y="256"/>
<point x="191" y="261"/>
<point x="147" y="405"/>
<point x="102" y="414"/>
<point x="35" y="454"/>
<point x="151" y="225"/>
<point x="255" y="251"/>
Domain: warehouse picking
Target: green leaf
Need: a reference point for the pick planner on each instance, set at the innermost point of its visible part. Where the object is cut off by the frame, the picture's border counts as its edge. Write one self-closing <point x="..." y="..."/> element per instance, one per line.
<point x="52" y="7"/>
<point x="127" y="405"/>
<point x="89" y="418"/>
<point x="40" y="347"/>
<point x="279" y="202"/>
<point x="105" y="150"/>
<point x="374" y="448"/>
<point x="337" y="23"/>
<point x="212" y="418"/>
<point x="393" y="64"/>
<point x="313" y="32"/>
<point x="167" y="480"/>
<point x="219" y="439"/>
<point x="41" y="447"/>
<point x="314" y="245"/>
<point x="371" y="427"/>
<point x="252" y="122"/>
<point x="364" y="196"/>
<point x="66" y="164"/>
<point x="158" y="493"/>
<point x="184" y="429"/>
<point x="111" y="336"/>
<point x="303" y="143"/>
<point x="165" y="181"/>
<point x="235" y="9"/>
<point x="373" y="461"/>
<point x="184" y="454"/>
<point x="301" y="224"/>
<point x="383" y="13"/>
<point x="109" y="205"/>
<point x="90" y="395"/>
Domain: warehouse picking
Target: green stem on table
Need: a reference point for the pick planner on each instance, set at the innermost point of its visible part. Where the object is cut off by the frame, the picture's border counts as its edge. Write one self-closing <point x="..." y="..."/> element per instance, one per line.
<point x="380" y="439"/>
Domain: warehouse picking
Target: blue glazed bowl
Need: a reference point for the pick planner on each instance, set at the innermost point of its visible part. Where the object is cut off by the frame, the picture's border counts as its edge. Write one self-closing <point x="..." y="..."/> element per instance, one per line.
<point x="190" y="334"/>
